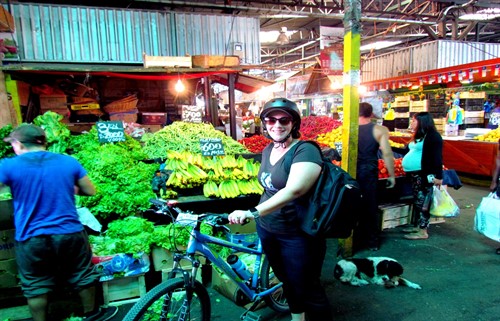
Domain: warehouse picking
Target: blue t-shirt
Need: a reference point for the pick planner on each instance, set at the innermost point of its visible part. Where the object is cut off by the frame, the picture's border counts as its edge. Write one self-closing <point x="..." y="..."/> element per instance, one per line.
<point x="42" y="186"/>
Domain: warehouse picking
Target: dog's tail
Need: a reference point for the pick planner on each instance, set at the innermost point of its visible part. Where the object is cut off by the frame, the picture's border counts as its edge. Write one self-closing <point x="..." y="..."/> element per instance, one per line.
<point x="403" y="281"/>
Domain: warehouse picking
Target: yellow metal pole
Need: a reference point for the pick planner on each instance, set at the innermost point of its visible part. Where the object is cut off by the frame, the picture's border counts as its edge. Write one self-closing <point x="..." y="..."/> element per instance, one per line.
<point x="352" y="79"/>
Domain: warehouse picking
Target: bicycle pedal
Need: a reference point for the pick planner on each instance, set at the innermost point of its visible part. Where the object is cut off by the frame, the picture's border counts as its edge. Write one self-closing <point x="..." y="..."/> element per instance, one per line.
<point x="250" y="316"/>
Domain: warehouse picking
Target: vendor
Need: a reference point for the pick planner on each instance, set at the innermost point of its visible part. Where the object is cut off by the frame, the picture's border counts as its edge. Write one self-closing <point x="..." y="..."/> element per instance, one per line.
<point x="494" y="119"/>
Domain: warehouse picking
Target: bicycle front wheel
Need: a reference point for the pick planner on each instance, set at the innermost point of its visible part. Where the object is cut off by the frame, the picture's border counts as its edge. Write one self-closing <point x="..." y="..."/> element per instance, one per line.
<point x="172" y="301"/>
<point x="275" y="300"/>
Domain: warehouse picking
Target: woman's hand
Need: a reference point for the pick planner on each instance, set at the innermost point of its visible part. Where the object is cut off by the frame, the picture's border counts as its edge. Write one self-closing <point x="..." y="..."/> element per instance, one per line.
<point x="437" y="182"/>
<point x="240" y="217"/>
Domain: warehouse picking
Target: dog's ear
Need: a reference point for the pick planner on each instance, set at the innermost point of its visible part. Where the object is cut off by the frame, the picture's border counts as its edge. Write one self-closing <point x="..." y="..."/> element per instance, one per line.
<point x="393" y="268"/>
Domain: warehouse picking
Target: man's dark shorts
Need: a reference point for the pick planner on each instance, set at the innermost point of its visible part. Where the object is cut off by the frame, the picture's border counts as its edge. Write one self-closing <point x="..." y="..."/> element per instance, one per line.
<point x="49" y="260"/>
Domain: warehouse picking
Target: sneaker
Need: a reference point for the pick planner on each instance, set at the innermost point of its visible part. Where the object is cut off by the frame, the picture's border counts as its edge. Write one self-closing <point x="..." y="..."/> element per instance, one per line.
<point x="103" y="314"/>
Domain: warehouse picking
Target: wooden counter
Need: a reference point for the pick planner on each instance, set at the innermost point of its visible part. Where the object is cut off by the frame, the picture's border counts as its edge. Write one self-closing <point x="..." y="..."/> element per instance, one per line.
<point x="465" y="156"/>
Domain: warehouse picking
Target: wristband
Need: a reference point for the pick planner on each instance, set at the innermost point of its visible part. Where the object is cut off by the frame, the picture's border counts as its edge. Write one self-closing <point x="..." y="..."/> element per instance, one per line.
<point x="255" y="212"/>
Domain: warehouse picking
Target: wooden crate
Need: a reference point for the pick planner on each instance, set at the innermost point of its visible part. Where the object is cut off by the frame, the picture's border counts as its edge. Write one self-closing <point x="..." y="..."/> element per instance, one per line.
<point x="208" y="61"/>
<point x="124" y="290"/>
<point x="166" y="61"/>
<point x="394" y="215"/>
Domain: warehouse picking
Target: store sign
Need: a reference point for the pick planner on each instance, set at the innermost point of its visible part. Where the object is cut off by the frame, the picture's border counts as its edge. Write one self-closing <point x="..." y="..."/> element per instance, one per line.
<point x="211" y="147"/>
<point x="110" y="131"/>
<point x="332" y="59"/>
<point x="192" y="114"/>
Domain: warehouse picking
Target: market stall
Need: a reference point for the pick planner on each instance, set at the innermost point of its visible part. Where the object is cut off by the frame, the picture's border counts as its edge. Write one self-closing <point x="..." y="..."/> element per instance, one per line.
<point x="466" y="156"/>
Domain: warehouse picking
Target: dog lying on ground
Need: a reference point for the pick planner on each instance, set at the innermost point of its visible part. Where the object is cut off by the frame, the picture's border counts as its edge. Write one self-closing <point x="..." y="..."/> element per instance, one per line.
<point x="372" y="270"/>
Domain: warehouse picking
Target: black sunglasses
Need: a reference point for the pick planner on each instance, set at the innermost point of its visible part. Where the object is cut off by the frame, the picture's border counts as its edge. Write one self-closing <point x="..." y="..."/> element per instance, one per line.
<point x="283" y="120"/>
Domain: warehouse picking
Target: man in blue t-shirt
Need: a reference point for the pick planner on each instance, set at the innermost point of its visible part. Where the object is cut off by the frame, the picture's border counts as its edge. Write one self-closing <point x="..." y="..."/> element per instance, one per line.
<point x="52" y="246"/>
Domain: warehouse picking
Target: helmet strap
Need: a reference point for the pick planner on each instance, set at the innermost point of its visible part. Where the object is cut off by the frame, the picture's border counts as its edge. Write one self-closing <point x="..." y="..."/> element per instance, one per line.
<point x="281" y="143"/>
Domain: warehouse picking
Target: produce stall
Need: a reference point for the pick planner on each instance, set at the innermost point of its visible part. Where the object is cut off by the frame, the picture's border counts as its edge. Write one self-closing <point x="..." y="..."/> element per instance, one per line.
<point x="465" y="156"/>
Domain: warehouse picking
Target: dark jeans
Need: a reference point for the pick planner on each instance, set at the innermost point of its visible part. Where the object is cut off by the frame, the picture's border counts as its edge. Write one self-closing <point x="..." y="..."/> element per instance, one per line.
<point x="297" y="261"/>
<point x="368" y="230"/>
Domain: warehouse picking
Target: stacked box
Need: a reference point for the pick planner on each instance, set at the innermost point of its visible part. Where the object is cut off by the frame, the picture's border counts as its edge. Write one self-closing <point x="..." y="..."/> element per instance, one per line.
<point x="55" y="103"/>
<point x="419" y="106"/>
<point x="124" y="290"/>
<point x="8" y="265"/>
<point x="394" y="215"/>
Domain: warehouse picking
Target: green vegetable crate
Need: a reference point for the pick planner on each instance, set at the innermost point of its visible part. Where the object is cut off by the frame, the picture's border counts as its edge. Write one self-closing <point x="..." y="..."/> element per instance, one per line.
<point x="125" y="290"/>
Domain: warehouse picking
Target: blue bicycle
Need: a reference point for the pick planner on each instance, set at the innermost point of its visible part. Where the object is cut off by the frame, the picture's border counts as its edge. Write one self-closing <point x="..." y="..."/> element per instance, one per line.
<point x="183" y="297"/>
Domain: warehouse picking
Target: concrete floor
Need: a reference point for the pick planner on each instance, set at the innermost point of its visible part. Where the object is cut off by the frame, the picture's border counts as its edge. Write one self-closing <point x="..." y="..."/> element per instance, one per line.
<point x="456" y="267"/>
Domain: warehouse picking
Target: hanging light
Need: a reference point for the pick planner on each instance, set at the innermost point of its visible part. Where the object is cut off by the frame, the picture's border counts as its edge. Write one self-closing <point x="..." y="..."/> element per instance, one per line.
<point x="179" y="86"/>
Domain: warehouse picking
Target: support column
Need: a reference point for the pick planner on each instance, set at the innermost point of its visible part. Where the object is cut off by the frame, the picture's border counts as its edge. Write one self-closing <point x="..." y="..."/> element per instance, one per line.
<point x="352" y="79"/>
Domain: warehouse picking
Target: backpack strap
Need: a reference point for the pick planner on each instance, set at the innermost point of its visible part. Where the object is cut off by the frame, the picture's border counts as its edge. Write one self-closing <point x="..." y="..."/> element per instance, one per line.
<point x="289" y="155"/>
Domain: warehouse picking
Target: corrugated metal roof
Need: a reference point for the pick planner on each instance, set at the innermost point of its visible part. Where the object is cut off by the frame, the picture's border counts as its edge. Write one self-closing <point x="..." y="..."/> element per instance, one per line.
<point x="57" y="33"/>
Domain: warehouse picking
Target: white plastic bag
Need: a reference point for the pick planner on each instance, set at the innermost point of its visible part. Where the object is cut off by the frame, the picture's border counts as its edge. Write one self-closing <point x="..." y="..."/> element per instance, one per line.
<point x="443" y="204"/>
<point x="88" y="219"/>
<point x="487" y="219"/>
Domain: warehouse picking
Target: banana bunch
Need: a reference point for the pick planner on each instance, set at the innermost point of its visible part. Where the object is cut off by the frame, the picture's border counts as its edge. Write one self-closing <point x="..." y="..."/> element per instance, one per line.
<point x="187" y="177"/>
<point x="229" y="189"/>
<point x="250" y="186"/>
<point x="211" y="189"/>
<point x="228" y="161"/>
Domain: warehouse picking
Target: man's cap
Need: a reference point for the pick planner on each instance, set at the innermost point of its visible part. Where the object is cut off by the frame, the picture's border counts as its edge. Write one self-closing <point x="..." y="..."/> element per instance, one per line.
<point x="27" y="134"/>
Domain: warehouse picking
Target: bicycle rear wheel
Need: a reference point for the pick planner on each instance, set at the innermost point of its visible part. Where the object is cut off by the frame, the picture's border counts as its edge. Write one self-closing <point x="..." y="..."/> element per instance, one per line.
<point x="172" y="301"/>
<point x="275" y="300"/>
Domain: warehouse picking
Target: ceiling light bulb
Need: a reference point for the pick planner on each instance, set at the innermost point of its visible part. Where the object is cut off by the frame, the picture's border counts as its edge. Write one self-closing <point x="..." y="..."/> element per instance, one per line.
<point x="179" y="86"/>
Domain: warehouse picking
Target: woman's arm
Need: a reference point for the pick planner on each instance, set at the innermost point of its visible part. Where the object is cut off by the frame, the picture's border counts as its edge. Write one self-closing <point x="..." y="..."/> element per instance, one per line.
<point x="496" y="172"/>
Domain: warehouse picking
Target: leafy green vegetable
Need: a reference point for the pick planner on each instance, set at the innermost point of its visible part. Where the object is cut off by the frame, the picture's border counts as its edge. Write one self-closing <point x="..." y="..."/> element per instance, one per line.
<point x="122" y="179"/>
<point x="57" y="133"/>
<point x="5" y="148"/>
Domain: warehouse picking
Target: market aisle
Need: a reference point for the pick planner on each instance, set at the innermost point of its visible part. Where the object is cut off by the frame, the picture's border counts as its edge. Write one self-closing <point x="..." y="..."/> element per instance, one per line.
<point x="456" y="267"/>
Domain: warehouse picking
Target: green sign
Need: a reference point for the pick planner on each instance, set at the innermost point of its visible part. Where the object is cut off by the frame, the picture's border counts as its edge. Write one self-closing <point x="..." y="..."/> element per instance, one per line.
<point x="110" y="131"/>
<point x="211" y="147"/>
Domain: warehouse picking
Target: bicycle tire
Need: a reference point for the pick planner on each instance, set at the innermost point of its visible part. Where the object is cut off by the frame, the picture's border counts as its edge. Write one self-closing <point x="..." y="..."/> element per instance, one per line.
<point x="275" y="300"/>
<point x="150" y="306"/>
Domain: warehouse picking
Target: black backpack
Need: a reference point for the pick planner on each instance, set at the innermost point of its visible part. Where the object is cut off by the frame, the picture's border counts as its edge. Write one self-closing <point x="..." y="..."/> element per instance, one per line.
<point x="331" y="208"/>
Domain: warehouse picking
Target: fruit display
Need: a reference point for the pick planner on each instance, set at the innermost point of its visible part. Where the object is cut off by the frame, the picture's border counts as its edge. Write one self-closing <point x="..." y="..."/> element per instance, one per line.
<point x="396" y="145"/>
<point x="491" y="136"/>
<point x="220" y="176"/>
<point x="398" y="168"/>
<point x="255" y="143"/>
<point x="312" y="126"/>
<point x="331" y="137"/>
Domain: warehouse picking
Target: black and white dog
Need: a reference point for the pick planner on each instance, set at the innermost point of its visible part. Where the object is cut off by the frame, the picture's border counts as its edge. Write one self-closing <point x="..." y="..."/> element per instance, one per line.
<point x="372" y="270"/>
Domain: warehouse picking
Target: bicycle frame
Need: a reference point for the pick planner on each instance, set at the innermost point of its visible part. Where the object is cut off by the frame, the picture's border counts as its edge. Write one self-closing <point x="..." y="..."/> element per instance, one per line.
<point x="198" y="243"/>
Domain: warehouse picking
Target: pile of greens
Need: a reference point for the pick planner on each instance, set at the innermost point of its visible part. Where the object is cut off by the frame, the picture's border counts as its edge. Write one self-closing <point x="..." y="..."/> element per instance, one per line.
<point x="122" y="179"/>
<point x="132" y="235"/>
<point x="5" y="148"/>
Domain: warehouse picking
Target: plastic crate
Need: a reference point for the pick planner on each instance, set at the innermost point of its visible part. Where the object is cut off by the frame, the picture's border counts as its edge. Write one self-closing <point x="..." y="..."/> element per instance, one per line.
<point x="154" y="118"/>
<point x="84" y="106"/>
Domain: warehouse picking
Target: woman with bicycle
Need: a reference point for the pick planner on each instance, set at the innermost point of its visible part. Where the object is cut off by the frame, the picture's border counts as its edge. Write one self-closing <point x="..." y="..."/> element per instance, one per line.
<point x="296" y="258"/>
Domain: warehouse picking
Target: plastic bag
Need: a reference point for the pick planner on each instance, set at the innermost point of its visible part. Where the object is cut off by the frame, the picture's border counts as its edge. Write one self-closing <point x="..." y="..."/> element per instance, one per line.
<point x="487" y="219"/>
<point x="443" y="204"/>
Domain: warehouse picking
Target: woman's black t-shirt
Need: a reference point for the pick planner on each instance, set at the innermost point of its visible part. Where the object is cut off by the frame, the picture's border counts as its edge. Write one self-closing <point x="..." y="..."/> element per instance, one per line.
<point x="273" y="178"/>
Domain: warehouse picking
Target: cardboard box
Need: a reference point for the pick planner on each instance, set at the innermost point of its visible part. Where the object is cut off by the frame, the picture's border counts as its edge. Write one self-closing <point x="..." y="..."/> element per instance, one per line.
<point x="7" y="244"/>
<point x="124" y="290"/>
<point x="164" y="259"/>
<point x="6" y="215"/>
<point x="53" y="102"/>
<point x="207" y="61"/>
<point x="8" y="273"/>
